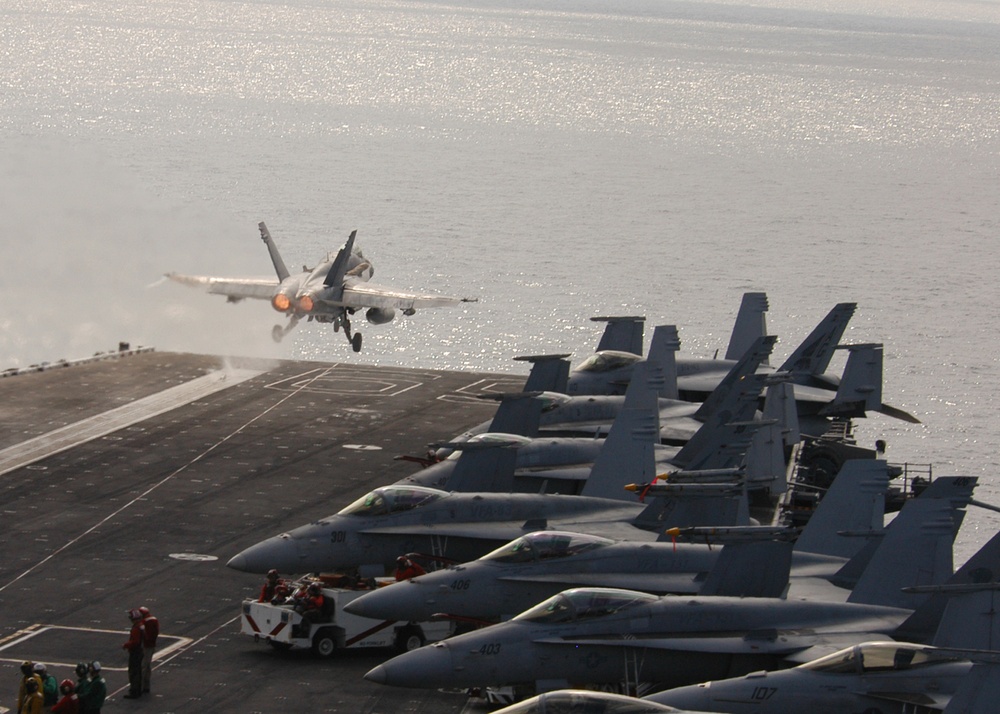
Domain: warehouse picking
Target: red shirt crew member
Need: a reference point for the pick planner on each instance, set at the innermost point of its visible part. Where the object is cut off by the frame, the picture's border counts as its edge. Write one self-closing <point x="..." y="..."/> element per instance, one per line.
<point x="151" y="630"/>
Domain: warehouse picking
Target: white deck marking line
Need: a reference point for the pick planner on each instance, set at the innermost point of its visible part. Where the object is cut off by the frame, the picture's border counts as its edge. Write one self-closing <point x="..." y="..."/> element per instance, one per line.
<point x="71" y="435"/>
<point x="152" y="488"/>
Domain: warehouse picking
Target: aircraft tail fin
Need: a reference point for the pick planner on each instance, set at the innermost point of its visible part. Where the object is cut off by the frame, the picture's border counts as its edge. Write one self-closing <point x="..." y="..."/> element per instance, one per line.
<point x="751" y="324"/>
<point x="628" y="454"/>
<point x="518" y="413"/>
<point x="814" y="354"/>
<point x="779" y="406"/>
<point x="971" y="619"/>
<point x="954" y="490"/>
<point x="724" y="437"/>
<point x="483" y="466"/>
<point x="979" y="691"/>
<point x="663" y="353"/>
<point x="279" y="264"/>
<point x="549" y="373"/>
<point x="335" y="276"/>
<point x="731" y="396"/>
<point x="750" y="569"/>
<point x="853" y="505"/>
<point x="915" y="551"/>
<point x="860" y="389"/>
<point x="983" y="567"/>
<point x="623" y="334"/>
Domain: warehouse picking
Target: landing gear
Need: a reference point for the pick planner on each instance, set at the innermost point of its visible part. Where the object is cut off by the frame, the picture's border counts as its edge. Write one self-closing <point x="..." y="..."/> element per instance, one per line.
<point x="354" y="339"/>
<point x="278" y="332"/>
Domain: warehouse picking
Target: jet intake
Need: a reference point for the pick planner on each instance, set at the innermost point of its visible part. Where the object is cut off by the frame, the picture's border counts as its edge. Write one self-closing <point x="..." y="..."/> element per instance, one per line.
<point x="380" y="316"/>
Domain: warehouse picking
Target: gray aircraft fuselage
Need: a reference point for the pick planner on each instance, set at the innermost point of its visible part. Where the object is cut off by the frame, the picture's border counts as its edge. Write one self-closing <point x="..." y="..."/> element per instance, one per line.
<point x="391" y="521"/>
<point x="885" y="677"/>
<point x="601" y="636"/>
<point x="539" y="565"/>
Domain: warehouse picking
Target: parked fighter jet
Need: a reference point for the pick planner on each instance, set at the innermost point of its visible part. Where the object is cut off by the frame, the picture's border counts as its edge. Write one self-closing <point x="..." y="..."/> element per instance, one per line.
<point x="372" y="532"/>
<point x="539" y="565"/>
<point x="585" y="701"/>
<point x="564" y="464"/>
<point x="888" y="677"/>
<point x="330" y="292"/>
<point x="607" y="636"/>
<point x="818" y="394"/>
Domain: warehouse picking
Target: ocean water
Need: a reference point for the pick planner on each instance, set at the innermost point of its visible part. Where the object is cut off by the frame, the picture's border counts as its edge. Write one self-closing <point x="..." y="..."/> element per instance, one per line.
<point x="557" y="160"/>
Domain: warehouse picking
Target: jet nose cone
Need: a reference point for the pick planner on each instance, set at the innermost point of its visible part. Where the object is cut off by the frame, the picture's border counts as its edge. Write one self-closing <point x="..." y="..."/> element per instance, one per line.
<point x="386" y="603"/>
<point x="425" y="668"/>
<point x="238" y="562"/>
<point x="279" y="552"/>
<point x="377" y="675"/>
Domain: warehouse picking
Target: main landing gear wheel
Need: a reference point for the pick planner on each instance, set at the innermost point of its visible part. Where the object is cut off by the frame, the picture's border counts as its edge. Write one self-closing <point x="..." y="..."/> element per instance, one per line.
<point x="356" y="342"/>
<point x="277" y="332"/>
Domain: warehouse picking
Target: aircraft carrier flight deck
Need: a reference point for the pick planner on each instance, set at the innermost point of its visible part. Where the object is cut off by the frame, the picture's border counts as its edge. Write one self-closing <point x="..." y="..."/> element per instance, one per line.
<point x="130" y="480"/>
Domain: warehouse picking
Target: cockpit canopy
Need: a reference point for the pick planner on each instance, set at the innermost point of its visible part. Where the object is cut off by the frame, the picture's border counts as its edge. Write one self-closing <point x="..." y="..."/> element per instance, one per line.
<point x="569" y="701"/>
<point x="878" y="657"/>
<point x="392" y="499"/>
<point x="608" y="360"/>
<point x="544" y="545"/>
<point x="584" y="603"/>
<point x="493" y="437"/>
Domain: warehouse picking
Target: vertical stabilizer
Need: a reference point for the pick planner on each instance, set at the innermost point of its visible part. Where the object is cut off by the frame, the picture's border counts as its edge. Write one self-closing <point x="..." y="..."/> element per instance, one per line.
<point x="854" y="503"/>
<point x="916" y="551"/>
<point x="983" y="567"/>
<point x="549" y="373"/>
<point x="814" y="354"/>
<point x="663" y="353"/>
<point x="519" y="413"/>
<point x="623" y="334"/>
<point x="483" y="466"/>
<point x="279" y="264"/>
<point x="979" y="691"/>
<point x="779" y="406"/>
<point x="628" y="454"/>
<point x="751" y="323"/>
<point x="860" y="389"/>
<point x="971" y="619"/>
<point x="731" y="393"/>
<point x="335" y="277"/>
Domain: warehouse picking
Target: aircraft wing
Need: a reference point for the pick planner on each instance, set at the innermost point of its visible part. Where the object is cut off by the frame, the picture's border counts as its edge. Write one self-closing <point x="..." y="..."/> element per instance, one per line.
<point x="233" y="288"/>
<point x="506" y="530"/>
<point x="795" y="648"/>
<point x="358" y="293"/>
<point x="655" y="583"/>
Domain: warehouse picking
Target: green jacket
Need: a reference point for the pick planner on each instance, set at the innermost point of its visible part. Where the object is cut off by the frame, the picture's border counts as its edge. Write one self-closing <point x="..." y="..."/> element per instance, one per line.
<point x="93" y="699"/>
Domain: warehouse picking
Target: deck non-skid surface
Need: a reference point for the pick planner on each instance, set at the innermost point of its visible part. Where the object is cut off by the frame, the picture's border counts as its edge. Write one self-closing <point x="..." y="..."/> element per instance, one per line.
<point x="146" y="473"/>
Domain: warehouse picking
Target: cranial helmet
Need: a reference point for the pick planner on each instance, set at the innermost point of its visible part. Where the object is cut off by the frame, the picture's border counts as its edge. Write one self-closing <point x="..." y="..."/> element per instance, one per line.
<point x="66" y="686"/>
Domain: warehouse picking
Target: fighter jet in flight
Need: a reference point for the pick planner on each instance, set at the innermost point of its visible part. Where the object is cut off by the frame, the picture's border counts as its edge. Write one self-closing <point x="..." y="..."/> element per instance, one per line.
<point x="330" y="292"/>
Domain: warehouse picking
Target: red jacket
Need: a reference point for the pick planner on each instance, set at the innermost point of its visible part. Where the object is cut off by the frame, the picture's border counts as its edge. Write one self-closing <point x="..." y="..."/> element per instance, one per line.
<point x="69" y="704"/>
<point x="135" y="637"/>
<point x="151" y="630"/>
